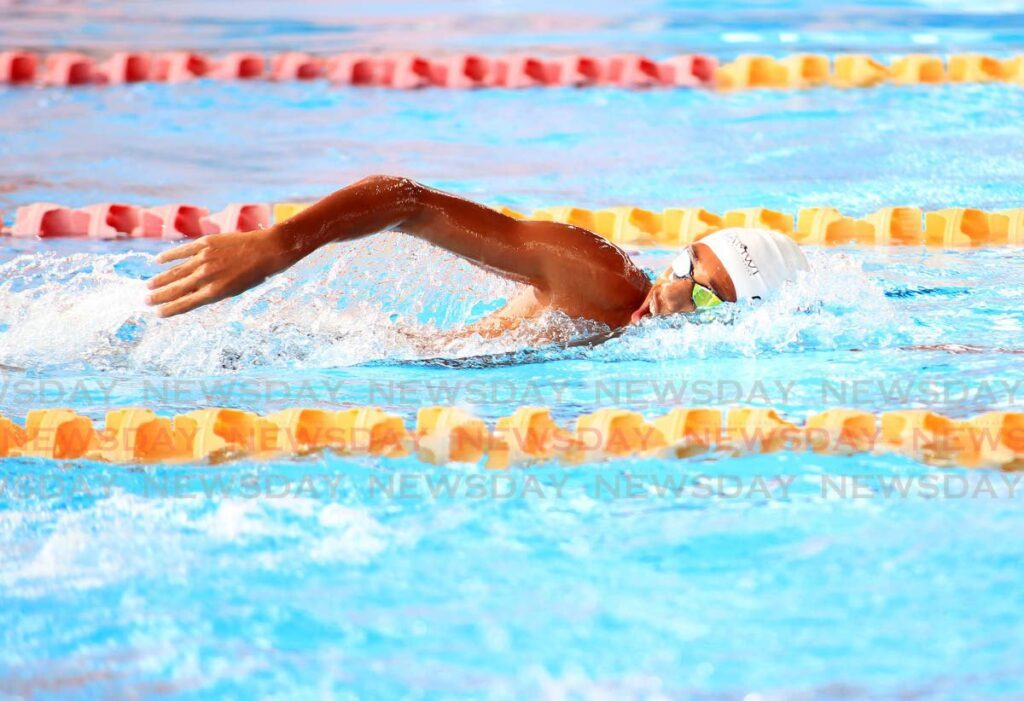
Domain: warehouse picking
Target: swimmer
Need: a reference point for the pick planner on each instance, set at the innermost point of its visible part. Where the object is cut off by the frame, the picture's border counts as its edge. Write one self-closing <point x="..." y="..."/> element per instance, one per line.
<point x="564" y="267"/>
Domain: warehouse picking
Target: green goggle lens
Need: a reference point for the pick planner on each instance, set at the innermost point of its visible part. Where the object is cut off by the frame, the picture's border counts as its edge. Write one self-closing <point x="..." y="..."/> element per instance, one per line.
<point x="682" y="269"/>
<point x="703" y="298"/>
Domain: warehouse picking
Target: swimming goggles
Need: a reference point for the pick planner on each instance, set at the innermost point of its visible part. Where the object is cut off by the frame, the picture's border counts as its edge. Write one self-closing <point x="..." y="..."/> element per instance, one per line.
<point x="682" y="269"/>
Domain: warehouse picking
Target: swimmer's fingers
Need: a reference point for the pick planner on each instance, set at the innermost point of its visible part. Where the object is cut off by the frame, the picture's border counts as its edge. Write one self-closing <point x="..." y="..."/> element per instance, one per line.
<point x="176" y="273"/>
<point x="184" y="251"/>
<point x="185" y="304"/>
<point x="215" y="268"/>
<point x="175" y="290"/>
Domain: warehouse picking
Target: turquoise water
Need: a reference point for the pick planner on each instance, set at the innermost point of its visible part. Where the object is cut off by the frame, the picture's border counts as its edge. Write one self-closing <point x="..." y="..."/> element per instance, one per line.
<point x="308" y="578"/>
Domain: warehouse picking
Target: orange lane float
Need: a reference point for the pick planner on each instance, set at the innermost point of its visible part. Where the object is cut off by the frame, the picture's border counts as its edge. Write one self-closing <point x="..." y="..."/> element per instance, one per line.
<point x="449" y="434"/>
<point x="1007" y="227"/>
<point x="957" y="228"/>
<point x="917" y="69"/>
<point x="139" y="435"/>
<point x="222" y="433"/>
<point x="373" y="431"/>
<point x="759" y="218"/>
<point x="976" y="68"/>
<point x="528" y="435"/>
<point x="612" y="432"/>
<point x="899" y="226"/>
<point x="845" y="430"/>
<point x="750" y="73"/>
<point x="445" y="435"/>
<point x="805" y="70"/>
<point x="858" y="71"/>
<point x="822" y="226"/>
<point x="826" y="226"/>
<point x="59" y="434"/>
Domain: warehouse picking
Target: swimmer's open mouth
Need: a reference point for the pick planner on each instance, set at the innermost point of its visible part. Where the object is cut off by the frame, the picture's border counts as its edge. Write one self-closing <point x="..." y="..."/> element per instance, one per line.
<point x="644" y="310"/>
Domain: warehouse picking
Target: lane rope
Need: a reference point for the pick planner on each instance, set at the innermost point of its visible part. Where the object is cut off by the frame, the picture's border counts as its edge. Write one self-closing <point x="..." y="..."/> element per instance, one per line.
<point x="468" y="70"/>
<point x="444" y="434"/>
<point x="954" y="227"/>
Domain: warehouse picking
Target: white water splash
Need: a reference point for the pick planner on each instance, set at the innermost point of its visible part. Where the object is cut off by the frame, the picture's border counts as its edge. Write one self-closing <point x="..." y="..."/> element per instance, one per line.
<point x="385" y="299"/>
<point x="834" y="305"/>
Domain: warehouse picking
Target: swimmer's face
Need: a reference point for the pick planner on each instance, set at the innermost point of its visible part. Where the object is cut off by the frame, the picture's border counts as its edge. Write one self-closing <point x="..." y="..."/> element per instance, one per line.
<point x="672" y="295"/>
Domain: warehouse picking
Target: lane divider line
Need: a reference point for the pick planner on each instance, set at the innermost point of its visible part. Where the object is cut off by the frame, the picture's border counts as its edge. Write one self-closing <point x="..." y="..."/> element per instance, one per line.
<point x="444" y="434"/>
<point x="406" y="70"/>
<point x="954" y="227"/>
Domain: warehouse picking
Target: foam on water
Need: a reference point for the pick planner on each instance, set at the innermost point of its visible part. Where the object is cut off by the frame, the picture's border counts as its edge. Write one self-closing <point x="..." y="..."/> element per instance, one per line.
<point x="834" y="306"/>
<point x="95" y="542"/>
<point x="390" y="299"/>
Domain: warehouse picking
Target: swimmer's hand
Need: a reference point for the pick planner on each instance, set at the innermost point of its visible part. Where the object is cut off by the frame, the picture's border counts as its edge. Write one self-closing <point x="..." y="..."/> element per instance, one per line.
<point x="216" y="267"/>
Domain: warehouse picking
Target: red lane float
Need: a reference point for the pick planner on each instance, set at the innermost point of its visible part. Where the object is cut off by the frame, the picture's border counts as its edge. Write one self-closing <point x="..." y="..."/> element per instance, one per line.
<point x="687" y="71"/>
<point x="405" y="71"/>
<point x="125" y="67"/>
<point x="355" y="69"/>
<point x="575" y="71"/>
<point x="631" y="71"/>
<point x="241" y="217"/>
<point x="461" y="71"/>
<point x="110" y="220"/>
<point x="179" y="66"/>
<point x="68" y="68"/>
<point x="18" y="67"/>
<point x="175" y="221"/>
<point x="519" y="72"/>
<point x="296" y="66"/>
<point x="49" y="220"/>
<point x="238" y="66"/>
<point x="401" y="70"/>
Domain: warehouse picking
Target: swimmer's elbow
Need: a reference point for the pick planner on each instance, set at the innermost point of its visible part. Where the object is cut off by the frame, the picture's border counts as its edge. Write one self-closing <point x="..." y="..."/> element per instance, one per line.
<point x="397" y="200"/>
<point x="398" y="186"/>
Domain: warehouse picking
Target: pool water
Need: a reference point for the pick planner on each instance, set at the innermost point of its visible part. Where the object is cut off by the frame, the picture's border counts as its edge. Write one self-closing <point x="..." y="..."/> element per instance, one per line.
<point x="322" y="575"/>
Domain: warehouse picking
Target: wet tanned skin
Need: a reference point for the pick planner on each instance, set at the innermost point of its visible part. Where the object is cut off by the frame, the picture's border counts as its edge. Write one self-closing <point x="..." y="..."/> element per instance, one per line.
<point x="672" y="296"/>
<point x="569" y="268"/>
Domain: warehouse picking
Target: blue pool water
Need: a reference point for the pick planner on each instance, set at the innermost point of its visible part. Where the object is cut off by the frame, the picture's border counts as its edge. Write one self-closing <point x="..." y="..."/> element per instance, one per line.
<point x="129" y="582"/>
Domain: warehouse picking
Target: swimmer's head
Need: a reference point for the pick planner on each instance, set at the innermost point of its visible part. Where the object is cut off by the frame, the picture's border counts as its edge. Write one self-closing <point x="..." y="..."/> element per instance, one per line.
<point x="728" y="265"/>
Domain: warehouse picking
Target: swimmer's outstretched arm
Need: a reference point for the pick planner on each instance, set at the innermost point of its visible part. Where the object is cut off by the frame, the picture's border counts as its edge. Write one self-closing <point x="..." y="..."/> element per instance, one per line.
<point x="573" y="269"/>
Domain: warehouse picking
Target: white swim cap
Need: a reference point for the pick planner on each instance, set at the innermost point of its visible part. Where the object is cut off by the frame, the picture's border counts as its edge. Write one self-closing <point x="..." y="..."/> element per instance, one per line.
<point x="757" y="260"/>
